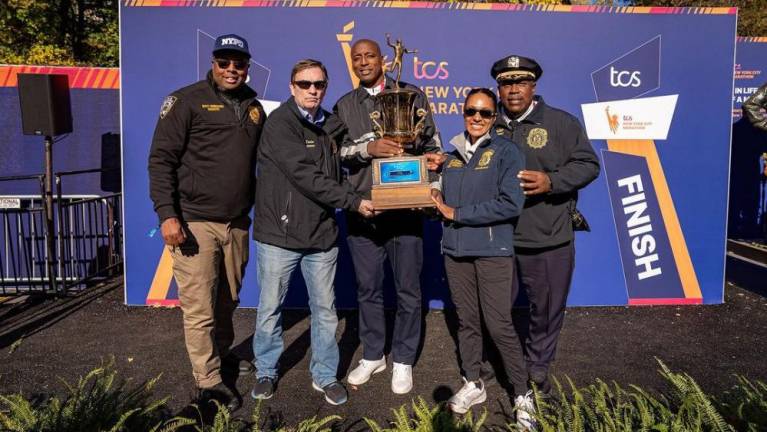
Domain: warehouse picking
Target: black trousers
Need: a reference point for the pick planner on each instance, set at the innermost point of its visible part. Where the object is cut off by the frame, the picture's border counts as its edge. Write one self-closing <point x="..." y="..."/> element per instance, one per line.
<point x="397" y="240"/>
<point x="482" y="288"/>
<point x="545" y="275"/>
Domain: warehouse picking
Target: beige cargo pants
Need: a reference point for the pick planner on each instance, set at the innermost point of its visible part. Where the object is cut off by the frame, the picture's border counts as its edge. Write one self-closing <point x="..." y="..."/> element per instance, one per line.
<point x="209" y="268"/>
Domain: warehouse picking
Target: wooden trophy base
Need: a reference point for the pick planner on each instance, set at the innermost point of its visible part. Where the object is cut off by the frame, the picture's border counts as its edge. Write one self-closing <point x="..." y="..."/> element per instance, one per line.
<point x="388" y="198"/>
<point x="401" y="182"/>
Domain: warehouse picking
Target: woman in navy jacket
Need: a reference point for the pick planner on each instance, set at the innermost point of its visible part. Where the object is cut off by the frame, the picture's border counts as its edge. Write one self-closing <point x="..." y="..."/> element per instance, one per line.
<point x="480" y="200"/>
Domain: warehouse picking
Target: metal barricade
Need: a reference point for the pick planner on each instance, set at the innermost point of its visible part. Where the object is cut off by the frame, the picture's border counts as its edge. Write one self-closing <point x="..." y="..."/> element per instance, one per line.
<point x="87" y="234"/>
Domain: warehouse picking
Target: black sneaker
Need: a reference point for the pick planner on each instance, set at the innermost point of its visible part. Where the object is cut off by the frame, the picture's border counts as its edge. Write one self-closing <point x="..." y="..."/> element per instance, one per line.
<point x="233" y="365"/>
<point x="264" y="388"/>
<point x="220" y="393"/>
<point x="541" y="381"/>
<point x="335" y="392"/>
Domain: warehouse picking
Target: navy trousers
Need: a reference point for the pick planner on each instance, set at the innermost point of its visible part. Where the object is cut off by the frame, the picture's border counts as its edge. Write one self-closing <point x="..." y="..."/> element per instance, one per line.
<point x="545" y="275"/>
<point x="396" y="238"/>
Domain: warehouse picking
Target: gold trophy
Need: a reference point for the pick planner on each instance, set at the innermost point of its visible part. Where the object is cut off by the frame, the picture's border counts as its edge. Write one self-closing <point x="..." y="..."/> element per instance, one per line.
<point x="399" y="182"/>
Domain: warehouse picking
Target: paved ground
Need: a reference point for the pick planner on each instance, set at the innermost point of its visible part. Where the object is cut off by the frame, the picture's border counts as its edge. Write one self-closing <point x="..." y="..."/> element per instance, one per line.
<point x="67" y="338"/>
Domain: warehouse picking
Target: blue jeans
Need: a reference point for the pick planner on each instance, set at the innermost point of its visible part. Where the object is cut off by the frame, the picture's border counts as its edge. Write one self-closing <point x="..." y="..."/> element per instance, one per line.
<point x="275" y="265"/>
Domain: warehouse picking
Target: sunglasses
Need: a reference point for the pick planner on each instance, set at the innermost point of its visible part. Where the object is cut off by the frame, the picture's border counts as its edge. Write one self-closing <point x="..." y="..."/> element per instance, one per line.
<point x="511" y="82"/>
<point x="238" y="64"/>
<point x="484" y="113"/>
<point x="305" y="85"/>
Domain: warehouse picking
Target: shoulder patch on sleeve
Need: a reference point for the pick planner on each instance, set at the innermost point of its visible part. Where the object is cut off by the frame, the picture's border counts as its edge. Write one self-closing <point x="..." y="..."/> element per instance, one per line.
<point x="167" y="105"/>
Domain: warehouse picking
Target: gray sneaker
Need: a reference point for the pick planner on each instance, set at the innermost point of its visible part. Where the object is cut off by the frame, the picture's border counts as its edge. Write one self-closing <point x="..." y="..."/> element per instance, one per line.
<point x="264" y="388"/>
<point x="335" y="392"/>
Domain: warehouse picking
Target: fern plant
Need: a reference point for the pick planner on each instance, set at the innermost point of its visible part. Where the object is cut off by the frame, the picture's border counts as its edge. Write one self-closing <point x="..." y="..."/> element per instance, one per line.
<point x="745" y="405"/>
<point x="429" y="419"/>
<point x="98" y="402"/>
<point x="684" y="408"/>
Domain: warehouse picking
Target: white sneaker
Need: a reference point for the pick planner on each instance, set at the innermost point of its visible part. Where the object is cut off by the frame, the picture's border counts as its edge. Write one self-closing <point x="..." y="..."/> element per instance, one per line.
<point x="401" y="378"/>
<point x="362" y="373"/>
<point x="468" y="396"/>
<point x="525" y="409"/>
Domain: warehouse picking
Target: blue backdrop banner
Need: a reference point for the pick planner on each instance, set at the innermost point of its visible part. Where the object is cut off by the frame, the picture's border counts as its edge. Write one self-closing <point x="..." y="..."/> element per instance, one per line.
<point x="652" y="86"/>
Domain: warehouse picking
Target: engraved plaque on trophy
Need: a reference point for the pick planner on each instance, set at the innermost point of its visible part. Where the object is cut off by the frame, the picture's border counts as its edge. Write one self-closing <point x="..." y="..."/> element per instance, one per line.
<point x="399" y="182"/>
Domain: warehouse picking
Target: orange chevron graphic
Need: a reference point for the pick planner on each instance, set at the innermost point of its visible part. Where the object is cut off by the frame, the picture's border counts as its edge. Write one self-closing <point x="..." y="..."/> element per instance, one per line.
<point x="158" y="292"/>
<point x="79" y="77"/>
<point x="647" y="149"/>
<point x="345" y="38"/>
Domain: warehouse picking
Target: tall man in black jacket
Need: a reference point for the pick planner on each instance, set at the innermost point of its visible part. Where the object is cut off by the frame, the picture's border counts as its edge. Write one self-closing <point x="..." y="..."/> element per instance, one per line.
<point x="299" y="188"/>
<point x="559" y="162"/>
<point x="396" y="235"/>
<point x="201" y="172"/>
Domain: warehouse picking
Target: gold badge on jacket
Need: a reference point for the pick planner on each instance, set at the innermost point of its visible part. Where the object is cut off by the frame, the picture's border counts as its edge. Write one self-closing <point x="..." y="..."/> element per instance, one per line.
<point x="537" y="138"/>
<point x="455" y="163"/>
<point x="484" y="160"/>
<point x="255" y="114"/>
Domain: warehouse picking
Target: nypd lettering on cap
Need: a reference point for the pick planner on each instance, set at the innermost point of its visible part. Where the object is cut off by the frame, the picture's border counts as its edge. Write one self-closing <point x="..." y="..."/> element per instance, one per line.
<point x="232" y="41"/>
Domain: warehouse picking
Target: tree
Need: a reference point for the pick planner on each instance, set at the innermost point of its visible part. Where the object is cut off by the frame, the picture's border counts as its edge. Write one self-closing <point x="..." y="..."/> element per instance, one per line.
<point x="752" y="14"/>
<point x="59" y="32"/>
<point x="86" y="32"/>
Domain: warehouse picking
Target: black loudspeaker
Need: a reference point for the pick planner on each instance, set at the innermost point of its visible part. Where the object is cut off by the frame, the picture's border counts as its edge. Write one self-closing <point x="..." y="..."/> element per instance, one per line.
<point x="111" y="180"/>
<point x="45" y="106"/>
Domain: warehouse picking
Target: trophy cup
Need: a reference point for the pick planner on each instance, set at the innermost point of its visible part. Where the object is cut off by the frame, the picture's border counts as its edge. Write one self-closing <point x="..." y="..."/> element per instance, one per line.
<point x="399" y="182"/>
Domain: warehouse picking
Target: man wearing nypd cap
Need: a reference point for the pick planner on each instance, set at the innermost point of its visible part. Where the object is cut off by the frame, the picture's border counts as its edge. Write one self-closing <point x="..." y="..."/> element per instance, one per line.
<point x="201" y="180"/>
<point x="560" y="161"/>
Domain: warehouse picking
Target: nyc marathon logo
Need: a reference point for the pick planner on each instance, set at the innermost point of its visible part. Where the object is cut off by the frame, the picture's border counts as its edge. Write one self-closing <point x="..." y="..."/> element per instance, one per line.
<point x="633" y="74"/>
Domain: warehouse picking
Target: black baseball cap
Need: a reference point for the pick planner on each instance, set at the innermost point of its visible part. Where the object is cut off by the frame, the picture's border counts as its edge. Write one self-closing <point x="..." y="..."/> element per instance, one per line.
<point x="232" y="43"/>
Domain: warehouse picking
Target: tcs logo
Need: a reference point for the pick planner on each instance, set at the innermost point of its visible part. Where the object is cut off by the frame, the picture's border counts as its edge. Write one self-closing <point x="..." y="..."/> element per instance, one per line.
<point x="430" y="69"/>
<point x="623" y="78"/>
<point x="632" y="74"/>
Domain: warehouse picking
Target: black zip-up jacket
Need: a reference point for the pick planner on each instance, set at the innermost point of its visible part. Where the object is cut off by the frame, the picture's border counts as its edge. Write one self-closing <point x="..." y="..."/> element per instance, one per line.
<point x="299" y="181"/>
<point x="553" y="142"/>
<point x="201" y="164"/>
<point x="354" y="110"/>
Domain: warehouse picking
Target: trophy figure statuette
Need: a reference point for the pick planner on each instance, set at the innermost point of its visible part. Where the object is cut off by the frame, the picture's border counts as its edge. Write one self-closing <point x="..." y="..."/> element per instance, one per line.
<point x="400" y="182"/>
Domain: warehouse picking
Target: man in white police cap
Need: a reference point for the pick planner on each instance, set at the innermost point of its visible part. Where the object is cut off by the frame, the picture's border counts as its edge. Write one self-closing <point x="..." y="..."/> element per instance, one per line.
<point x="559" y="162"/>
<point x="201" y="180"/>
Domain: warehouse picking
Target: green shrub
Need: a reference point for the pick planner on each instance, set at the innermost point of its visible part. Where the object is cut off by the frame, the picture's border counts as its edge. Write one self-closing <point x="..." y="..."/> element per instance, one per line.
<point x="684" y="407"/>
<point x="99" y="402"/>
<point x="428" y="419"/>
<point x="745" y="405"/>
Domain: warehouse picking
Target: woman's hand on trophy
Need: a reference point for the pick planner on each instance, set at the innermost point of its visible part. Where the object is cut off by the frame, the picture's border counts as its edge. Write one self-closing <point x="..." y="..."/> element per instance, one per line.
<point x="383" y="147"/>
<point x="366" y="208"/>
<point x="434" y="161"/>
<point x="447" y="211"/>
